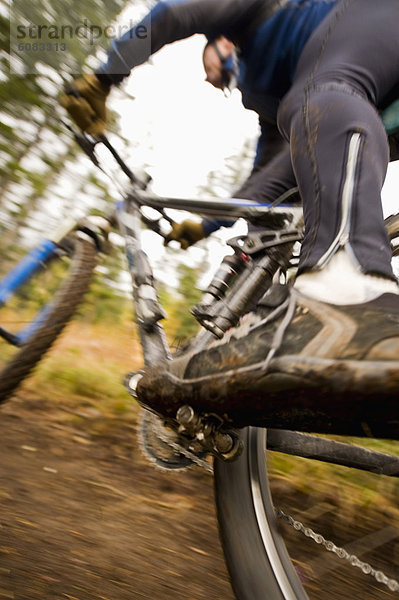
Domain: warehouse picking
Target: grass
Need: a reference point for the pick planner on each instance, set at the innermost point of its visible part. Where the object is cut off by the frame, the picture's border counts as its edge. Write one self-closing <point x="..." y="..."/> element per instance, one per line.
<point x="87" y="382"/>
<point x="87" y="365"/>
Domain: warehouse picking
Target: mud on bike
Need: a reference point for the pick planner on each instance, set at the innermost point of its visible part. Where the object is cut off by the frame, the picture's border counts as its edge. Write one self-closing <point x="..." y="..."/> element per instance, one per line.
<point x="276" y="519"/>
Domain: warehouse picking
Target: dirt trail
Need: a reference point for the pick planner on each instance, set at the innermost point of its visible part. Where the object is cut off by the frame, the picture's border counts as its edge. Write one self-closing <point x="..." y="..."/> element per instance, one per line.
<point x="84" y="517"/>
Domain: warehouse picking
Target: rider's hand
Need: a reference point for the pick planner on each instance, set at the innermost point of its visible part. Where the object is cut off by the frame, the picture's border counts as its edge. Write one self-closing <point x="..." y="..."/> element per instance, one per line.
<point x="85" y="101"/>
<point x="186" y="233"/>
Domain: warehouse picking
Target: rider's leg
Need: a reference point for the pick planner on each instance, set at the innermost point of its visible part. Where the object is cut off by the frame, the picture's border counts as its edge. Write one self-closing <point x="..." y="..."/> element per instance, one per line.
<point x="339" y="148"/>
<point x="267" y="183"/>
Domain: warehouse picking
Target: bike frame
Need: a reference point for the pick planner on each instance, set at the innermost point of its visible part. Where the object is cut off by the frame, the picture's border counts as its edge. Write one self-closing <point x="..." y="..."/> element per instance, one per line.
<point x="127" y="214"/>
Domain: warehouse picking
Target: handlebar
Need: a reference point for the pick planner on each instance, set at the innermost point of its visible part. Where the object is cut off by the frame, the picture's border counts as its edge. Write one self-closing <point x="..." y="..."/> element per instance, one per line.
<point x="88" y="144"/>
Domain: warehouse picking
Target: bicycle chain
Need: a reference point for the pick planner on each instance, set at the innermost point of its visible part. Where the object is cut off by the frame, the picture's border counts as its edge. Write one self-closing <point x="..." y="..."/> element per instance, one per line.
<point x="366" y="568"/>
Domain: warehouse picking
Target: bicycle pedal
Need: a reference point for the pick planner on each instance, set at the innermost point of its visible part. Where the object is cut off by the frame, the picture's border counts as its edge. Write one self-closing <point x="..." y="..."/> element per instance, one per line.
<point x="209" y="433"/>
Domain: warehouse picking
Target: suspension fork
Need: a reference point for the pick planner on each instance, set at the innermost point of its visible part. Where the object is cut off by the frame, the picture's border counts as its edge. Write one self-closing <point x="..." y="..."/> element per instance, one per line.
<point x="33" y="261"/>
<point x="249" y="288"/>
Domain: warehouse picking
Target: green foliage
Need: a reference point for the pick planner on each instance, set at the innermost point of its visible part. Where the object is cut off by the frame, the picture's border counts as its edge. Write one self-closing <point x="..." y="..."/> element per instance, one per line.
<point x="185" y="326"/>
<point x="40" y="289"/>
<point x="72" y="378"/>
<point x="73" y="24"/>
<point x="354" y="489"/>
<point x="103" y="303"/>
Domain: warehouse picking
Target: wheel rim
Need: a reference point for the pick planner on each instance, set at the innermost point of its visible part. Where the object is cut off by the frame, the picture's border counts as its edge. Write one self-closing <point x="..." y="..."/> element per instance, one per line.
<point x="275" y="549"/>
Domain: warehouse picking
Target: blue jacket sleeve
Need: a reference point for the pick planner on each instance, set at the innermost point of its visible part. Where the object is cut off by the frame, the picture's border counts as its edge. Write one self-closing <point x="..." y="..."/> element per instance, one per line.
<point x="172" y="20"/>
<point x="211" y="225"/>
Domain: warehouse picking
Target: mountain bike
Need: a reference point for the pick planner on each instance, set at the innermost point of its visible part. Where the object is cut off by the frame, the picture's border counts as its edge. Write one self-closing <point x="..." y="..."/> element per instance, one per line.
<point x="253" y="467"/>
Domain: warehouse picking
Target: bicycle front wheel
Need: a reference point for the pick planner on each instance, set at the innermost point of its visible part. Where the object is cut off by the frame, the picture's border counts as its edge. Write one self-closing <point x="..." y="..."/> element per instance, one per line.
<point x="62" y="284"/>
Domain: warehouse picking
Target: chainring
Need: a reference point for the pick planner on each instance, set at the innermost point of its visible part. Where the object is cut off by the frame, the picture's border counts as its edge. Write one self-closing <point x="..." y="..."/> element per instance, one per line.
<point x="161" y="445"/>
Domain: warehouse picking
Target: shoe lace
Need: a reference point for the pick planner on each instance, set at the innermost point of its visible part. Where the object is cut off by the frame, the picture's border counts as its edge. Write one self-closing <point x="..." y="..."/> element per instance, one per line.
<point x="290" y="306"/>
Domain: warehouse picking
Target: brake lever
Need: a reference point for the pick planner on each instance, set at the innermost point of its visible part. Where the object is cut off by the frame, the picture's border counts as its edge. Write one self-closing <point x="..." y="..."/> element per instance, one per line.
<point x="86" y="144"/>
<point x="152" y="224"/>
<point x="104" y="140"/>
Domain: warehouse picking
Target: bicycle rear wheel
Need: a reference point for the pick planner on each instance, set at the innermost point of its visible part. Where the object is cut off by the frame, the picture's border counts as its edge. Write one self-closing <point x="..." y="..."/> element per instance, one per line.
<point x="321" y="507"/>
<point x="257" y="559"/>
<point x="62" y="283"/>
<point x="392" y="227"/>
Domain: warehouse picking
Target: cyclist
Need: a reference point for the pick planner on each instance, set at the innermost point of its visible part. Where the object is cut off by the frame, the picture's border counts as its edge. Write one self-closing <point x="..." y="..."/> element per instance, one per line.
<point x="222" y="68"/>
<point x="330" y="67"/>
<point x="223" y="71"/>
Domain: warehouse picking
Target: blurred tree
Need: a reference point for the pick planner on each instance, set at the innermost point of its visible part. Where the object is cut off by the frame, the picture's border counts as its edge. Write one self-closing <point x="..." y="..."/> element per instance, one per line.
<point x="188" y="295"/>
<point x="35" y="148"/>
<point x="236" y="170"/>
<point x="108" y="299"/>
<point x="44" y="177"/>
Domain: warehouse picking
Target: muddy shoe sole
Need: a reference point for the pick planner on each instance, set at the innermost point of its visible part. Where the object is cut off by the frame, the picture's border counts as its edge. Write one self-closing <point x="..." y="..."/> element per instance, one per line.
<point x="302" y="394"/>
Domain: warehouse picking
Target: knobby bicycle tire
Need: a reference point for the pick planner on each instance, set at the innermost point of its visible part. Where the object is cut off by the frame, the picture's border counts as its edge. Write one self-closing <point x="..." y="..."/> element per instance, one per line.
<point x="256" y="557"/>
<point x="63" y="306"/>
